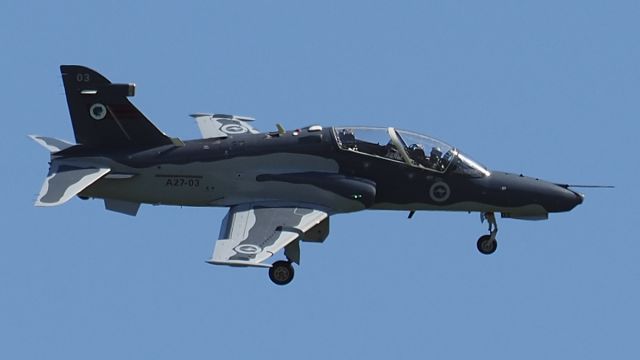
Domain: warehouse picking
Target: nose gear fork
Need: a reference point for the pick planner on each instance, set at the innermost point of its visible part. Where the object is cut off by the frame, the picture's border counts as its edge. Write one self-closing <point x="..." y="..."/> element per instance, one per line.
<point x="487" y="244"/>
<point x="493" y="224"/>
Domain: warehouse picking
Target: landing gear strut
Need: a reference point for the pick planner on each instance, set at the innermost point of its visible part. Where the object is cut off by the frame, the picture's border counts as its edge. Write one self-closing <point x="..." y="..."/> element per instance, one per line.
<point x="487" y="244"/>
<point x="281" y="272"/>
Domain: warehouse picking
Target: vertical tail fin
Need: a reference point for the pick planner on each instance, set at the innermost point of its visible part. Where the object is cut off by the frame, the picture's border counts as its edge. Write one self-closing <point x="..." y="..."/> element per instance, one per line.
<point x="101" y="114"/>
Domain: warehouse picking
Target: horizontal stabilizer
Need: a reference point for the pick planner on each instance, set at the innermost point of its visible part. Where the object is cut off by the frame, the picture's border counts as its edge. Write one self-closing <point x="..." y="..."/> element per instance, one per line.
<point x="66" y="179"/>
<point x="52" y="144"/>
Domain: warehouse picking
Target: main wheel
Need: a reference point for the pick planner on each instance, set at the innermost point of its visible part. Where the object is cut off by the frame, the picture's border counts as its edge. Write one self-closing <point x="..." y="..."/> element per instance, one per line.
<point x="486" y="245"/>
<point x="281" y="272"/>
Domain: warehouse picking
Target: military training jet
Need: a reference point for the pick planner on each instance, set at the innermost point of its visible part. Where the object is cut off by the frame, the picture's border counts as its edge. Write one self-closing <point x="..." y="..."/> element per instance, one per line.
<point x="280" y="186"/>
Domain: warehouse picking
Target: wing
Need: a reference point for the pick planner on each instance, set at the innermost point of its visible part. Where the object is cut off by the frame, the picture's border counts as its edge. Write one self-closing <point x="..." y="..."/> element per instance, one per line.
<point x="252" y="233"/>
<point x="219" y="125"/>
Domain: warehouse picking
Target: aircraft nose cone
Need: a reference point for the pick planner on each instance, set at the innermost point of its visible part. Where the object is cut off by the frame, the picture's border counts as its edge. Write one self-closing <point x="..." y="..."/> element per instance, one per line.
<point x="524" y="190"/>
<point x="567" y="199"/>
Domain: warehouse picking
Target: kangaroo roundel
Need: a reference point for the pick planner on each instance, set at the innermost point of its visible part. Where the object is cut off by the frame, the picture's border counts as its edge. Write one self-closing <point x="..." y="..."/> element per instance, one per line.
<point x="439" y="191"/>
<point x="98" y="111"/>
<point x="248" y="249"/>
<point x="234" y="129"/>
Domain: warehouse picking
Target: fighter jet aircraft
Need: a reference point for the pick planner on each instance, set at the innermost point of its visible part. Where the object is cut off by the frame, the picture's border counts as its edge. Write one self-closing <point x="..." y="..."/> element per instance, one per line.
<point x="281" y="187"/>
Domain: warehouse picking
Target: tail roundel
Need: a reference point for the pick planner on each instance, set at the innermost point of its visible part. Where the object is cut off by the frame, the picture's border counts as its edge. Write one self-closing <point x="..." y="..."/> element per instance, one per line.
<point x="101" y="114"/>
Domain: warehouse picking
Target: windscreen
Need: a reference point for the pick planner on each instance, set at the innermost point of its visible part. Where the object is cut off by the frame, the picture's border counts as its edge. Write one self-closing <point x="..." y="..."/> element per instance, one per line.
<point x="464" y="165"/>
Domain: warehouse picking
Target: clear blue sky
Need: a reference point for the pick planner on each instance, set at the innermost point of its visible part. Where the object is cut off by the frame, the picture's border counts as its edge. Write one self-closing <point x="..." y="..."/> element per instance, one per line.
<point x="547" y="88"/>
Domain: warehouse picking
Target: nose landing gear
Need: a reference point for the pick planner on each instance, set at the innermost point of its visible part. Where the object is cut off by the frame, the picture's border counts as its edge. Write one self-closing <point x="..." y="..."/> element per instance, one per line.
<point x="487" y="244"/>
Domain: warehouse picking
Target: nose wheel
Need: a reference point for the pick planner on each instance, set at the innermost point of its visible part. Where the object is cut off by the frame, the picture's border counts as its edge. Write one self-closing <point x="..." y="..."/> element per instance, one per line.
<point x="487" y="244"/>
<point x="281" y="272"/>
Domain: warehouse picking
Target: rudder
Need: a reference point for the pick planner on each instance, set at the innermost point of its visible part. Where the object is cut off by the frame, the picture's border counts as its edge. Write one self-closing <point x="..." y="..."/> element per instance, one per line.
<point x="101" y="114"/>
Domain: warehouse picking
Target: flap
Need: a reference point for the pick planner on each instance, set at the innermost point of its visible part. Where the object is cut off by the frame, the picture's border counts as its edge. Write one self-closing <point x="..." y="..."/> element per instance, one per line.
<point x="252" y="233"/>
<point x="66" y="179"/>
<point x="219" y="125"/>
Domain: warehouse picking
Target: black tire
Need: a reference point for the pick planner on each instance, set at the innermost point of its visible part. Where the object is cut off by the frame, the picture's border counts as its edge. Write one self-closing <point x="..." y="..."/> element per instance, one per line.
<point x="281" y="272"/>
<point x="486" y="245"/>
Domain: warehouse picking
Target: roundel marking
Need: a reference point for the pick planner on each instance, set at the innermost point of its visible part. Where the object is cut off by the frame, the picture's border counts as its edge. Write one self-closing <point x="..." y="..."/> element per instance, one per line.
<point x="248" y="249"/>
<point x="439" y="191"/>
<point x="234" y="129"/>
<point x="98" y="111"/>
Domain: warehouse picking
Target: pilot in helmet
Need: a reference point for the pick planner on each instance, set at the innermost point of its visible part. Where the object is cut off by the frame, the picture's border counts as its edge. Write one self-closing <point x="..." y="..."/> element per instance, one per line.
<point x="435" y="157"/>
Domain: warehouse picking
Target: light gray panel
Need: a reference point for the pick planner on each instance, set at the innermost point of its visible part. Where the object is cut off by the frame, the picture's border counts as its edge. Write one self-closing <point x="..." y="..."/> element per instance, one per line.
<point x="256" y="232"/>
<point x="65" y="180"/>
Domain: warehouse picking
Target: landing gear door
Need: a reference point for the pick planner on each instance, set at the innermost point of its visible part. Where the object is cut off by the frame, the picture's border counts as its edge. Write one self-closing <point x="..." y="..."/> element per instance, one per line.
<point x="318" y="233"/>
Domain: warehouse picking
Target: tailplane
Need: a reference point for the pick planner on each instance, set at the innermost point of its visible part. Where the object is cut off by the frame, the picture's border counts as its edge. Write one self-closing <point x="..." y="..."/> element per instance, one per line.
<point x="52" y="144"/>
<point x="101" y="114"/>
<point x="67" y="178"/>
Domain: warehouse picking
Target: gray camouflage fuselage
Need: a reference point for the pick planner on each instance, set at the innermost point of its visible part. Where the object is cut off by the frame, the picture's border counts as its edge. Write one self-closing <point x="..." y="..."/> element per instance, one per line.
<point x="305" y="167"/>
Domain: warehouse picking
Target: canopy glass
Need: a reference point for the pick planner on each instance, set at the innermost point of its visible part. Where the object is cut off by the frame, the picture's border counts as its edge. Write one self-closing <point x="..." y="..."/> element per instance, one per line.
<point x="411" y="148"/>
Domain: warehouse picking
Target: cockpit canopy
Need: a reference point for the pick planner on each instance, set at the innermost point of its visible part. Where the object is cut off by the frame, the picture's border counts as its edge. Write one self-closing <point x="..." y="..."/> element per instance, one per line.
<point x="404" y="146"/>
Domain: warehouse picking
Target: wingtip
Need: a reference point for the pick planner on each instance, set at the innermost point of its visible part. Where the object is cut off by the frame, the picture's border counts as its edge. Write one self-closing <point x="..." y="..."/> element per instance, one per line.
<point x="235" y="263"/>
<point x="197" y="115"/>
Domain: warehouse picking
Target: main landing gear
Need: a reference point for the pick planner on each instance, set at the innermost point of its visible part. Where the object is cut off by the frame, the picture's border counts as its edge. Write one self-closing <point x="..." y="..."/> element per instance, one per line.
<point x="487" y="244"/>
<point x="281" y="272"/>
